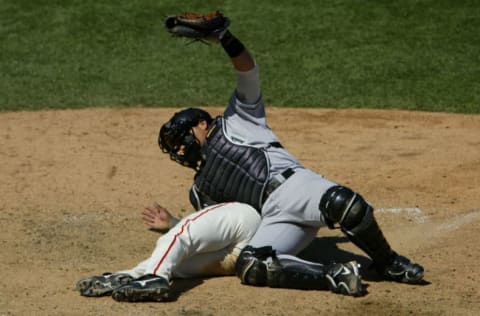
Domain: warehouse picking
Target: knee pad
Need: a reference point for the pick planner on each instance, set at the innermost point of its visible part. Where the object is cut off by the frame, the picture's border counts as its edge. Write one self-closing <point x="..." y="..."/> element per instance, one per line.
<point x="250" y="266"/>
<point x="340" y="205"/>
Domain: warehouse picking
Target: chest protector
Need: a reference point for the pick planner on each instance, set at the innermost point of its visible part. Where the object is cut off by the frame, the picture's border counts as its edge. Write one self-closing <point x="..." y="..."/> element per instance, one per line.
<point x="231" y="172"/>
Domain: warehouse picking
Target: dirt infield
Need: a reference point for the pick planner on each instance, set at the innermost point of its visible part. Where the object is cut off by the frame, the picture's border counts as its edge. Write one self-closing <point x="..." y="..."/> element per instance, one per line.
<point x="73" y="184"/>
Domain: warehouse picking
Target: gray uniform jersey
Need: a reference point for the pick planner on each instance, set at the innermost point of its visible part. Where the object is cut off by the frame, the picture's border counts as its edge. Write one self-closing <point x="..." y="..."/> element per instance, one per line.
<point x="246" y="123"/>
<point x="290" y="215"/>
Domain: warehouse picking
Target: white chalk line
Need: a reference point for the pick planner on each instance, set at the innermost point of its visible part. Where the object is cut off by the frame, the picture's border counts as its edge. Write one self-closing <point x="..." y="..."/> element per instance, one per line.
<point x="419" y="217"/>
<point x="460" y="221"/>
<point x="414" y="213"/>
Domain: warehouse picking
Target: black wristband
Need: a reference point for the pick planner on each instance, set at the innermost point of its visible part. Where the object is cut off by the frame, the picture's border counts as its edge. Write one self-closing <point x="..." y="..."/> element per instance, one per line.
<point x="231" y="45"/>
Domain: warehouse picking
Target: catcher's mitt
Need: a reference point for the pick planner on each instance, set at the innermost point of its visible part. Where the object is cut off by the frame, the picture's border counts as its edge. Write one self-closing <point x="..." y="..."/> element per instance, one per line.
<point x="197" y="26"/>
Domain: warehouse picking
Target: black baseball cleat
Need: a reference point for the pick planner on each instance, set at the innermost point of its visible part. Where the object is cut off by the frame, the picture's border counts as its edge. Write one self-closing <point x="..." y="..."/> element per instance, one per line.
<point x="404" y="271"/>
<point x="344" y="278"/>
<point x="149" y="287"/>
<point x="102" y="285"/>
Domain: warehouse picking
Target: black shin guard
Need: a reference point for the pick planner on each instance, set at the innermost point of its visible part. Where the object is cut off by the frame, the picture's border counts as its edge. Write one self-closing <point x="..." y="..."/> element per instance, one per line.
<point x="295" y="274"/>
<point x="261" y="267"/>
<point x="369" y="237"/>
<point x="355" y="217"/>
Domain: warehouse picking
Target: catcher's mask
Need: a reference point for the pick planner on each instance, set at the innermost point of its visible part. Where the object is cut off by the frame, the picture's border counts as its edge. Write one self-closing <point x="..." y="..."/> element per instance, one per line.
<point x="177" y="139"/>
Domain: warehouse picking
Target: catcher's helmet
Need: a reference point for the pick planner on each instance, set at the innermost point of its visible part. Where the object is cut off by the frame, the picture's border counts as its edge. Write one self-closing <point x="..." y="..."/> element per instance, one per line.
<point x="176" y="137"/>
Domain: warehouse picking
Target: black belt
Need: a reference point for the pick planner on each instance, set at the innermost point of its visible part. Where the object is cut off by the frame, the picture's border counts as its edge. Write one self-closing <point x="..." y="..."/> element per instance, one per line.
<point x="276" y="181"/>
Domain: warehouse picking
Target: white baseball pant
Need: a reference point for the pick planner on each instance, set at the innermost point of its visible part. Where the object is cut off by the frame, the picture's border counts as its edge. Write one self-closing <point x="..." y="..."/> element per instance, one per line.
<point x="204" y="243"/>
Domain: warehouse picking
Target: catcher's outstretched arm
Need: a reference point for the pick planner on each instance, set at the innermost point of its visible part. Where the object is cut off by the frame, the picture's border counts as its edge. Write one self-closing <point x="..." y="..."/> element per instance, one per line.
<point x="248" y="81"/>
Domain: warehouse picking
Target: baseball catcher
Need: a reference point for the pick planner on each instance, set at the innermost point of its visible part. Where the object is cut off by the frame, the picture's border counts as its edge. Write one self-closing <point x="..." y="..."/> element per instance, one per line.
<point x="237" y="157"/>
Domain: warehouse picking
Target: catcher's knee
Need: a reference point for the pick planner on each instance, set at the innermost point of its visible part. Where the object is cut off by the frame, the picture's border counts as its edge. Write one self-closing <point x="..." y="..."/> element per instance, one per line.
<point x="250" y="266"/>
<point x="340" y="205"/>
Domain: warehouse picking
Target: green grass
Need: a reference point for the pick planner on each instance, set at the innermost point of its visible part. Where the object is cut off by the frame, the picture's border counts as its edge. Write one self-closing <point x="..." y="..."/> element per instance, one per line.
<point x="410" y="54"/>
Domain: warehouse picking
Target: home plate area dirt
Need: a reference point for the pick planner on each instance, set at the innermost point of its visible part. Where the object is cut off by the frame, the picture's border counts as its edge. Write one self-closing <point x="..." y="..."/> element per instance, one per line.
<point x="74" y="182"/>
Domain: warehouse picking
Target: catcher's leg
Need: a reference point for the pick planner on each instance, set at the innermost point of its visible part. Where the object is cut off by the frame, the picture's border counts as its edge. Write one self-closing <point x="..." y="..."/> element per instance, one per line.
<point x="355" y="217"/>
<point x="262" y="267"/>
<point x="284" y="237"/>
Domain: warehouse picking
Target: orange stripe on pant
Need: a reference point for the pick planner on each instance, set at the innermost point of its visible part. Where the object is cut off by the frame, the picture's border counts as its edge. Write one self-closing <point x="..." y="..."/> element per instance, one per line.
<point x="203" y="212"/>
